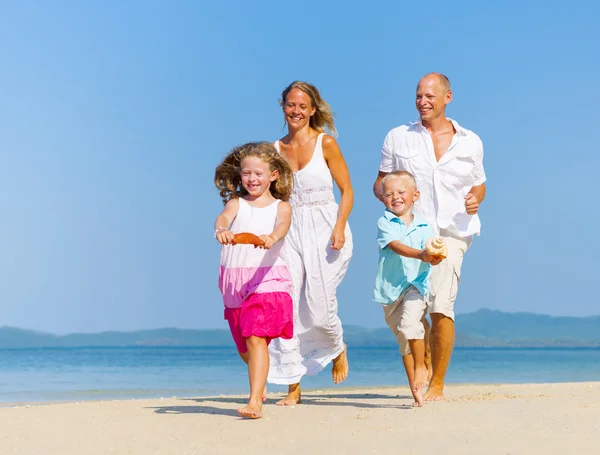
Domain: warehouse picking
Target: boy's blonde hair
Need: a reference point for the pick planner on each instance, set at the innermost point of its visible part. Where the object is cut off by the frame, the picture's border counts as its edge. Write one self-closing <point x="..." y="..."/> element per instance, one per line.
<point x="399" y="174"/>
<point x="228" y="178"/>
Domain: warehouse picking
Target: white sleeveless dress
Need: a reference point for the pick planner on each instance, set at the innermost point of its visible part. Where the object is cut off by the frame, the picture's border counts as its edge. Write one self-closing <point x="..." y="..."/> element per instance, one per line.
<point x="316" y="270"/>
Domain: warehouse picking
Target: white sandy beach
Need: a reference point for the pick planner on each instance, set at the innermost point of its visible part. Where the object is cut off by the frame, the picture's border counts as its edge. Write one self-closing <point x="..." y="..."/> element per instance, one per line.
<point x="476" y="419"/>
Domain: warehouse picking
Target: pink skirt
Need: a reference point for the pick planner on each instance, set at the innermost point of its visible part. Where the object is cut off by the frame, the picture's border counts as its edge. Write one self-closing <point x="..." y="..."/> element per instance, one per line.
<point x="269" y="315"/>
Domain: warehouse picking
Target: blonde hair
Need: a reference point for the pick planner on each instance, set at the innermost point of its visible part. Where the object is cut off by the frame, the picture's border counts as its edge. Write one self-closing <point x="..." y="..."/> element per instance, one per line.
<point x="228" y="178"/>
<point x="323" y="116"/>
<point x="400" y="175"/>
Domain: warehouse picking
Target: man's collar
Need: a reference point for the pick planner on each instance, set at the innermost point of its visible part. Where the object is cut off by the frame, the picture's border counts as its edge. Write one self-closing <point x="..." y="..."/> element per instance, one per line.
<point x="418" y="125"/>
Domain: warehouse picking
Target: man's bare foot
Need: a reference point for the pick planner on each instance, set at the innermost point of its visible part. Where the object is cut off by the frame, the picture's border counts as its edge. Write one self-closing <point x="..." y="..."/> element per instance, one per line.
<point x="339" y="372"/>
<point x="293" y="396"/>
<point x="434" y="394"/>
<point x="251" y="411"/>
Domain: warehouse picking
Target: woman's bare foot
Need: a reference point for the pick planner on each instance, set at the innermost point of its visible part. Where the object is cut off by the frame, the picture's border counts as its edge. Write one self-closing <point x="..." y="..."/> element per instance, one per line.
<point x="339" y="372"/>
<point x="251" y="411"/>
<point x="434" y="393"/>
<point x="293" y="396"/>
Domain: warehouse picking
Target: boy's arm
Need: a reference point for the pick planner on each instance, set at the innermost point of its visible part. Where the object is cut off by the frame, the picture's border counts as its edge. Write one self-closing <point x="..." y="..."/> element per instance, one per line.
<point x="282" y="225"/>
<point x="386" y="239"/>
<point x="404" y="250"/>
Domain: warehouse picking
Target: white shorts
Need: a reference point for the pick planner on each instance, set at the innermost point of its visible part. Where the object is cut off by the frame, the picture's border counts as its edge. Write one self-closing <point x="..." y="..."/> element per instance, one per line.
<point x="404" y="316"/>
<point x="445" y="276"/>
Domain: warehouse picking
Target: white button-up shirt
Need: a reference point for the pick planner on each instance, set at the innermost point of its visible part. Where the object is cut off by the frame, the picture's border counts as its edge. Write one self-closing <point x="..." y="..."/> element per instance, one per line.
<point x="443" y="184"/>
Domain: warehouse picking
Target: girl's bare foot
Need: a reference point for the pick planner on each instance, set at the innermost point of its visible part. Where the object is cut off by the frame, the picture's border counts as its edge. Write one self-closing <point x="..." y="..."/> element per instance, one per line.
<point x="293" y="396"/>
<point x="251" y="411"/>
<point x="339" y="372"/>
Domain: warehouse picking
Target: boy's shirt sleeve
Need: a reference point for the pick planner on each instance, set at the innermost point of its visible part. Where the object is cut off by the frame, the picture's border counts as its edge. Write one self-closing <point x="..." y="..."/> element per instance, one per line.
<point x="385" y="232"/>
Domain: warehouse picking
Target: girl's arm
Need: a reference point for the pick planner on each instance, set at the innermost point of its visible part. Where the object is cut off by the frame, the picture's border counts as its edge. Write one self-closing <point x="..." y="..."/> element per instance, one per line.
<point x="339" y="171"/>
<point x="282" y="225"/>
<point x="224" y="220"/>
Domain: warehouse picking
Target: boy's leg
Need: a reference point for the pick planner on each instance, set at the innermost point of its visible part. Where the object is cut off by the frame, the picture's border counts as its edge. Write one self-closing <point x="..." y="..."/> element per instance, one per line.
<point x="412" y="330"/>
<point x="428" y="364"/>
<point x="258" y="369"/>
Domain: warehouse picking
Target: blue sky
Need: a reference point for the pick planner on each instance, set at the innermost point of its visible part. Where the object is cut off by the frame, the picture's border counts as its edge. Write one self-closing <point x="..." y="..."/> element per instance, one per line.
<point x="113" y="116"/>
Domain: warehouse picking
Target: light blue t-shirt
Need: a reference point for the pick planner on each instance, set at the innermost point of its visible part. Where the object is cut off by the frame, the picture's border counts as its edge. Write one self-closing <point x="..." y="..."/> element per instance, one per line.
<point x="395" y="273"/>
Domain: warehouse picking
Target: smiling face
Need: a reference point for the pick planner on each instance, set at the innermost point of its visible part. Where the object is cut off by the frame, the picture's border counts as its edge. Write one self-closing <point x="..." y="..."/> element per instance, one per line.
<point x="256" y="176"/>
<point x="399" y="194"/>
<point x="432" y="97"/>
<point x="298" y="109"/>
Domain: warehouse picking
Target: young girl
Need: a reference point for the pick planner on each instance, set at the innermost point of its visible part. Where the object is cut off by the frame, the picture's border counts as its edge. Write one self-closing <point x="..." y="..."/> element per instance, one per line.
<point x="255" y="183"/>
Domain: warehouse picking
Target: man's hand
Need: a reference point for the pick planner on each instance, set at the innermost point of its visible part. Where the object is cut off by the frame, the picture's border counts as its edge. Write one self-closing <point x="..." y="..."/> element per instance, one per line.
<point x="471" y="204"/>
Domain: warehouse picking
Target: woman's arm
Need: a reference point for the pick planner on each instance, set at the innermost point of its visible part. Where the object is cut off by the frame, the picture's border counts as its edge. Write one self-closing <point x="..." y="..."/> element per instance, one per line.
<point x="339" y="171"/>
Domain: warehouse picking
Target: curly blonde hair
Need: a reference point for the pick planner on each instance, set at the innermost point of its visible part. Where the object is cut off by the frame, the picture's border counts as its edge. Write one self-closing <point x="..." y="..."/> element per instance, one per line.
<point x="323" y="116"/>
<point x="228" y="178"/>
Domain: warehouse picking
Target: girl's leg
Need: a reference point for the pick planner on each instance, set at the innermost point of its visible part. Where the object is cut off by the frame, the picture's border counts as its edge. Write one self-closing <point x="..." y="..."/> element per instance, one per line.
<point x="246" y="358"/>
<point x="258" y="369"/>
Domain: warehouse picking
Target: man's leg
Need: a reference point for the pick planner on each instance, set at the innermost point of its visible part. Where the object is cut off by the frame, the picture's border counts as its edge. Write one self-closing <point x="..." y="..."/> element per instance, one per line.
<point x="442" y="343"/>
<point x="445" y="279"/>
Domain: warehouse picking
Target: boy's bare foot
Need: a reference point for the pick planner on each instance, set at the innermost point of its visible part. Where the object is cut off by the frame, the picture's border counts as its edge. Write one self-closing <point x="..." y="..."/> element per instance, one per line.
<point x="293" y="396"/>
<point x="339" y="372"/>
<point x="417" y="395"/>
<point x="420" y="381"/>
<point x="434" y="393"/>
<point x="251" y="411"/>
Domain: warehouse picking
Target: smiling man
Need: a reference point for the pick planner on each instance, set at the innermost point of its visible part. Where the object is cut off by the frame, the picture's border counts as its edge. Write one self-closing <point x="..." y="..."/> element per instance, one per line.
<point x="447" y="163"/>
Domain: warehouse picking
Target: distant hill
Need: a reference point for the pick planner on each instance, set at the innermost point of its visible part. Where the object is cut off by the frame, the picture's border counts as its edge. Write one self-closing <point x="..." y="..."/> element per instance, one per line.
<point x="483" y="328"/>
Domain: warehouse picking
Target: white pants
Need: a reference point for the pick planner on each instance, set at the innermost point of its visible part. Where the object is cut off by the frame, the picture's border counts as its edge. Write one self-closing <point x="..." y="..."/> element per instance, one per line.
<point x="445" y="276"/>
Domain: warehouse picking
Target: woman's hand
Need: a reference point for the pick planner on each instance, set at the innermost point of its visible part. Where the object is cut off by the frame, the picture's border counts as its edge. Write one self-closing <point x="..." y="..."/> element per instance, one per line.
<point x="338" y="237"/>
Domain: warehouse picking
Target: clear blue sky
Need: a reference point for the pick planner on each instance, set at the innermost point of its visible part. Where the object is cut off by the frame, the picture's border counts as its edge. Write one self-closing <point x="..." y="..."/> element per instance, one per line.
<point x="113" y="116"/>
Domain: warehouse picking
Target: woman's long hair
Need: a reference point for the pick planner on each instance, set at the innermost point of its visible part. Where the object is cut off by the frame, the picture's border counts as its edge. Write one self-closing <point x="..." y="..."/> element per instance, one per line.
<point x="323" y="116"/>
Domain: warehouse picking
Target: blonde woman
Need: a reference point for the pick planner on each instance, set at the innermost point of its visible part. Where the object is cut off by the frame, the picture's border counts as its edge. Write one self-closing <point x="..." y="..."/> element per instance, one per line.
<point x="319" y="243"/>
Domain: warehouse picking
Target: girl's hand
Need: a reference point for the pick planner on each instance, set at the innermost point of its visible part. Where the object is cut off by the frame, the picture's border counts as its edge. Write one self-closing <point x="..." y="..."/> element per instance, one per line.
<point x="269" y="240"/>
<point x="338" y="237"/>
<point x="224" y="236"/>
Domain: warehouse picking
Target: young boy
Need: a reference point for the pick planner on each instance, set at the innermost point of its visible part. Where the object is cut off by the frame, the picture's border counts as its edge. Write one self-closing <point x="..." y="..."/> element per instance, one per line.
<point x="402" y="281"/>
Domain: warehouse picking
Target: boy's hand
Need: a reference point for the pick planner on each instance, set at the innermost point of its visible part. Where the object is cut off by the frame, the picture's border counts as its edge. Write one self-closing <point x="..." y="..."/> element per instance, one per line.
<point x="269" y="240"/>
<point x="224" y="237"/>
<point x="425" y="256"/>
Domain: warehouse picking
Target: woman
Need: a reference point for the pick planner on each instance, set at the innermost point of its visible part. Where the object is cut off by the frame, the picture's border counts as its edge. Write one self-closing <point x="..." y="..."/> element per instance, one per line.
<point x="319" y="243"/>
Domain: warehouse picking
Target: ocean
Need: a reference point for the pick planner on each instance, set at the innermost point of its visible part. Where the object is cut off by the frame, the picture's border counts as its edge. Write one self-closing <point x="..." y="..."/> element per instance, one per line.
<point x="75" y="374"/>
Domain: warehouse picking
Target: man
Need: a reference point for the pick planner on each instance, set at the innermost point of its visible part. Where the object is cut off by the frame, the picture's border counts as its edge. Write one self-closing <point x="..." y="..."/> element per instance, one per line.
<point x="447" y="162"/>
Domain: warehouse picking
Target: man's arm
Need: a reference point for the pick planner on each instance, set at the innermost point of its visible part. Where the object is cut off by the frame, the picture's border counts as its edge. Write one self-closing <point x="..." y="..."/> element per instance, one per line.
<point x="474" y="198"/>
<point x="377" y="185"/>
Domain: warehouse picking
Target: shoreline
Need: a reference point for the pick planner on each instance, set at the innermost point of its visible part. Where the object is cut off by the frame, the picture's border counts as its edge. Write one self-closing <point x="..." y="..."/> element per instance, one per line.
<point x="498" y="419"/>
<point x="273" y="396"/>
